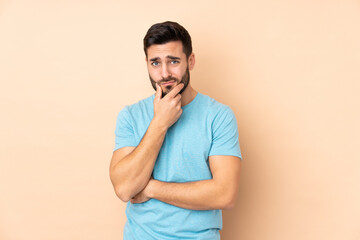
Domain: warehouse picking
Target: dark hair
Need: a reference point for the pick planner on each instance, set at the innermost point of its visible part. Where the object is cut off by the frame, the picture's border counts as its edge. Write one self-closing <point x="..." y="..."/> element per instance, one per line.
<point x="161" y="33"/>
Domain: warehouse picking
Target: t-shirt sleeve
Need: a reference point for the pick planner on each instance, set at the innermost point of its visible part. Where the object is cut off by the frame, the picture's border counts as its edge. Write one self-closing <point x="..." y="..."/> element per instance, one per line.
<point x="225" y="135"/>
<point x="124" y="133"/>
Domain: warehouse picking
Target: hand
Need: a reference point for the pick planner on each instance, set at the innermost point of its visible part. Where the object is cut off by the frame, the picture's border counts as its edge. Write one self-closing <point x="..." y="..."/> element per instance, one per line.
<point x="140" y="198"/>
<point x="143" y="195"/>
<point x="167" y="110"/>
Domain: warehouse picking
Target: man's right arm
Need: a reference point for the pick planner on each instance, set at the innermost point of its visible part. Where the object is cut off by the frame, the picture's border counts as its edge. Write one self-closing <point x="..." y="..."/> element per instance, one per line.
<point x="131" y="167"/>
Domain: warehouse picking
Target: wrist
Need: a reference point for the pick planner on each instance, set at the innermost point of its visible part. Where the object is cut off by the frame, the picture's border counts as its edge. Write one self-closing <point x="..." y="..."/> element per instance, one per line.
<point x="156" y="123"/>
<point x="150" y="188"/>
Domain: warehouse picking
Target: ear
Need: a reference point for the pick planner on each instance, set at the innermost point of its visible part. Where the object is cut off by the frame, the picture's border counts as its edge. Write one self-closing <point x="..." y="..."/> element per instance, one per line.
<point x="191" y="61"/>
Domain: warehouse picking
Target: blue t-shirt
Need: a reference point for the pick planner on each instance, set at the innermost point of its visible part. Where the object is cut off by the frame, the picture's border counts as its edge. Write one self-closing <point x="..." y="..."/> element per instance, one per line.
<point x="205" y="127"/>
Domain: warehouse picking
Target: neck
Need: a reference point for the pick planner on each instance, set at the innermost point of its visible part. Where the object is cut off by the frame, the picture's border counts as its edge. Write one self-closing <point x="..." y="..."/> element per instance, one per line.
<point x="188" y="95"/>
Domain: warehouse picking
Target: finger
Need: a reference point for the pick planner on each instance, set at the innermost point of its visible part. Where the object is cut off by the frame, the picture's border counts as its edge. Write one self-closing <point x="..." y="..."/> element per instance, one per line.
<point x="175" y="90"/>
<point x="158" y="92"/>
<point x="177" y="98"/>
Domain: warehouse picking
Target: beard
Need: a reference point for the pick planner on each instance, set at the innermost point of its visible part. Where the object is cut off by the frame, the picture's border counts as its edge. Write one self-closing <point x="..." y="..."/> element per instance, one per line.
<point x="185" y="79"/>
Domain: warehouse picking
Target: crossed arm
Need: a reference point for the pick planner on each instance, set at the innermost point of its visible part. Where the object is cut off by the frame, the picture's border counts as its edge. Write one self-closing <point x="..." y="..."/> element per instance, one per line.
<point x="131" y="167"/>
<point x="216" y="193"/>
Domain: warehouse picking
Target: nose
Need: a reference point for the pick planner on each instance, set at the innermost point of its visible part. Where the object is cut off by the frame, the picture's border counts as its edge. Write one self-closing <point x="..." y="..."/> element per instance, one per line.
<point x="165" y="72"/>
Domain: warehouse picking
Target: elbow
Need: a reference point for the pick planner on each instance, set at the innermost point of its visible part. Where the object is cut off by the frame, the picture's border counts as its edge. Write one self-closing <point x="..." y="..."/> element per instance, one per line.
<point x="228" y="201"/>
<point x="123" y="195"/>
<point x="119" y="187"/>
<point x="228" y="205"/>
<point x="121" y="192"/>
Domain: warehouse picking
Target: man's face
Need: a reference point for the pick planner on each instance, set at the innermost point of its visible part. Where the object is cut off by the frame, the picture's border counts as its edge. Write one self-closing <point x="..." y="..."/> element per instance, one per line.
<point x="168" y="66"/>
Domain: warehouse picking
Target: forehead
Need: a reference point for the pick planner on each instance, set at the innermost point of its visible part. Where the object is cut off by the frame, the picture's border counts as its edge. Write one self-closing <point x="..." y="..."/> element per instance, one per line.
<point x="173" y="48"/>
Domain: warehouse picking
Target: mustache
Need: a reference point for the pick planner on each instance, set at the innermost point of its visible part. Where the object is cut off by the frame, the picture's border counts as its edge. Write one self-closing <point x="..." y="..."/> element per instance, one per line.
<point x="168" y="79"/>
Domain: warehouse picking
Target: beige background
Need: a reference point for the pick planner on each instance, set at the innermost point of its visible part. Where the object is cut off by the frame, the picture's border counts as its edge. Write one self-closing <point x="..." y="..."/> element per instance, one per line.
<point x="288" y="69"/>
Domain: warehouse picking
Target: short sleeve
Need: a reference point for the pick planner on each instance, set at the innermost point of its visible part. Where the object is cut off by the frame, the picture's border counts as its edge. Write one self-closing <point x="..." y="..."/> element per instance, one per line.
<point x="124" y="133"/>
<point x="225" y="135"/>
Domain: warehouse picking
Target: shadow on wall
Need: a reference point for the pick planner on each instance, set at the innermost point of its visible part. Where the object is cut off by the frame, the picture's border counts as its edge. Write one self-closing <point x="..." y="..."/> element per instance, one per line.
<point x="215" y="80"/>
<point x="230" y="84"/>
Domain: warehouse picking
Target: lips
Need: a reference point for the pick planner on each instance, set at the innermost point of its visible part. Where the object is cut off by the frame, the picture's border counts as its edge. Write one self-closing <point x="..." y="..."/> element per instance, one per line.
<point x="168" y="83"/>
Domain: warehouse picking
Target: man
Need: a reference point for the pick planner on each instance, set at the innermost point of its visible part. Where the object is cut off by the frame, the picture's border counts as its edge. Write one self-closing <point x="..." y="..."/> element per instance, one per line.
<point x="176" y="159"/>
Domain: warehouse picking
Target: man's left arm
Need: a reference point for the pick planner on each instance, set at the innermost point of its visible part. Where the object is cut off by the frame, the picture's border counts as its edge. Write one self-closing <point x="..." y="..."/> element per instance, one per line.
<point x="216" y="193"/>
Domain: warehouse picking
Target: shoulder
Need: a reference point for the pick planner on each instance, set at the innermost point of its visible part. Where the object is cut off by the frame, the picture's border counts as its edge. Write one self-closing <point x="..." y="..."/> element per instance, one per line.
<point x="139" y="105"/>
<point x="213" y="106"/>
<point x="137" y="109"/>
<point x="218" y="115"/>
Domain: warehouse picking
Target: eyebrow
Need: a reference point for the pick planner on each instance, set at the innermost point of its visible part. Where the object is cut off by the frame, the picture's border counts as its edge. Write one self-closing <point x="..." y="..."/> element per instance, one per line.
<point x="169" y="56"/>
<point x="173" y="58"/>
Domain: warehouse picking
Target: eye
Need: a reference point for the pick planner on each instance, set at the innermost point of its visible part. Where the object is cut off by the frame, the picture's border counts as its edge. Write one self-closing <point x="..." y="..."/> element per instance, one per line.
<point x="155" y="64"/>
<point x="174" y="61"/>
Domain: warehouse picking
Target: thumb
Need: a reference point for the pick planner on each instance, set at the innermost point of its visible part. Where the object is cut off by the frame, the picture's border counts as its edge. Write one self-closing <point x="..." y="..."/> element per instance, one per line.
<point x="158" y="92"/>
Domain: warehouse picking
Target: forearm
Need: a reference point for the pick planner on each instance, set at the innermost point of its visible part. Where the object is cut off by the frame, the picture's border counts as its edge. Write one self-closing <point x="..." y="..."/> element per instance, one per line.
<point x="199" y="195"/>
<point x="132" y="168"/>
<point x="132" y="173"/>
